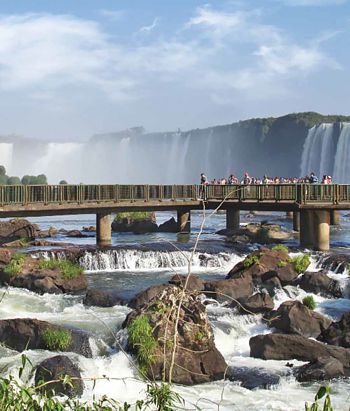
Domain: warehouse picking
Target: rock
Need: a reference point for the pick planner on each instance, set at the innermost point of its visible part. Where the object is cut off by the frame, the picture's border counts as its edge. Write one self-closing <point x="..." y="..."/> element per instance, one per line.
<point x="323" y="368"/>
<point x="16" y="229"/>
<point x="271" y="285"/>
<point x="5" y="256"/>
<point x="253" y="378"/>
<point x="54" y="369"/>
<point x="231" y="289"/>
<point x="337" y="263"/>
<point x="257" y="303"/>
<point x="293" y="317"/>
<point x="320" y="283"/>
<point x="42" y="280"/>
<point x="289" y="347"/>
<point x="128" y="223"/>
<point x="102" y="298"/>
<point x="75" y="234"/>
<point x="338" y="333"/>
<point x="169" y="226"/>
<point x="197" y="360"/>
<point x="263" y="233"/>
<point x="144" y="297"/>
<point x="194" y="284"/>
<point x="21" y="334"/>
<point x="90" y="229"/>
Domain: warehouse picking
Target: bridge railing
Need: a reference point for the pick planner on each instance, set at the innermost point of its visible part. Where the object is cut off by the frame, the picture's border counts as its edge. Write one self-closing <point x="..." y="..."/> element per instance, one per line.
<point x="59" y="194"/>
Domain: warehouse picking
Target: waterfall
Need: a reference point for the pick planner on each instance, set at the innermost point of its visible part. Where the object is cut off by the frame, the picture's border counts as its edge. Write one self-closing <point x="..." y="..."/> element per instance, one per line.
<point x="317" y="153"/>
<point x="6" y="151"/>
<point x="342" y="156"/>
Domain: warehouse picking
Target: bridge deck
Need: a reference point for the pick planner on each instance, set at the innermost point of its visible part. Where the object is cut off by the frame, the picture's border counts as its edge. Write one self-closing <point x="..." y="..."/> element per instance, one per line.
<point x="40" y="200"/>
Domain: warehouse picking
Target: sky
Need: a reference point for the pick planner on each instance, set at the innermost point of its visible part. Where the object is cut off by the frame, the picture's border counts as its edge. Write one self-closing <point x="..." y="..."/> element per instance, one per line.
<point x="72" y="69"/>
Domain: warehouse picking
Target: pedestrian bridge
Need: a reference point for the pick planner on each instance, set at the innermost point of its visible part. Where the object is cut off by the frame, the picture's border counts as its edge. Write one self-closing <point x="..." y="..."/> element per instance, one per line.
<point x="314" y="205"/>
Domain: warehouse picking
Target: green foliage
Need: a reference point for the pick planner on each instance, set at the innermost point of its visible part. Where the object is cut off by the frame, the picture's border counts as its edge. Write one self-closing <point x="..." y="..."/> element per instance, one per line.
<point x="13" y="181"/>
<point x="2" y="171"/>
<point x="301" y="263"/>
<point x="15" y="265"/>
<point x="141" y="339"/>
<point x="280" y="247"/>
<point x="282" y="264"/>
<point x="250" y="260"/>
<point x="327" y="405"/>
<point x="63" y="182"/>
<point x="32" y="180"/>
<point x="309" y="302"/>
<point x="162" y="397"/>
<point x="68" y="269"/>
<point x="133" y="215"/>
<point x="57" y="339"/>
<point x="3" y="180"/>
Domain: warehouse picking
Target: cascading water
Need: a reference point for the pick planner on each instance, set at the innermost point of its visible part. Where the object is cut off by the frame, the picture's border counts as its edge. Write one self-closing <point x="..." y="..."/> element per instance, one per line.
<point x="318" y="154"/>
<point x="342" y="157"/>
<point x="6" y="150"/>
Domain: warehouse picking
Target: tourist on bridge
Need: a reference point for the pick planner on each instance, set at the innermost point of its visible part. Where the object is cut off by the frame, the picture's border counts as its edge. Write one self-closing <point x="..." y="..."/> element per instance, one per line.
<point x="313" y="178"/>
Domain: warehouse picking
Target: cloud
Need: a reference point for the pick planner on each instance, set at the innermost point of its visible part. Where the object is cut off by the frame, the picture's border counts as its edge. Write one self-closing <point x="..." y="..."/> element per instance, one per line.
<point x="114" y="15"/>
<point x="313" y="2"/>
<point x="151" y="27"/>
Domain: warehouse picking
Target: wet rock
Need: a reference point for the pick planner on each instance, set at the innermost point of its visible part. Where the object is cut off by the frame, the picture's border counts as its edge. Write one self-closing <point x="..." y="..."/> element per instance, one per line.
<point x="257" y="303"/>
<point x="231" y="289"/>
<point x="335" y="262"/>
<point x="194" y="283"/>
<point x="5" y="256"/>
<point x="90" y="229"/>
<point x="289" y="347"/>
<point x="197" y="360"/>
<point x="144" y="297"/>
<point x="323" y="368"/>
<point x="21" y="334"/>
<point x="75" y="234"/>
<point x="169" y="226"/>
<point x="130" y="223"/>
<point x="53" y="369"/>
<point x="271" y="285"/>
<point x="253" y="378"/>
<point x="338" y="333"/>
<point x="263" y="233"/>
<point x="293" y="317"/>
<point x="320" y="283"/>
<point x="16" y="229"/>
<point x="102" y="298"/>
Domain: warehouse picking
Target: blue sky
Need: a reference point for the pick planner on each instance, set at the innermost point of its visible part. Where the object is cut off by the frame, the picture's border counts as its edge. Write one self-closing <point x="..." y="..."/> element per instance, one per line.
<point x="70" y="69"/>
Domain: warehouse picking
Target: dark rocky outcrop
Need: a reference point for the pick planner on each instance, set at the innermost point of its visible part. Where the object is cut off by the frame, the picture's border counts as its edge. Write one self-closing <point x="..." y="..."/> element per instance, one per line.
<point x="323" y="368"/>
<point x="197" y="360"/>
<point x="169" y="226"/>
<point x="90" y="229"/>
<point x="16" y="229"/>
<point x="5" y="257"/>
<point x="320" y="283"/>
<point x="102" y="298"/>
<point x="138" y="225"/>
<point x="144" y="297"/>
<point x="335" y="262"/>
<point x="293" y="317"/>
<point x="260" y="302"/>
<point x="289" y="347"/>
<point x="236" y="288"/>
<point x="271" y="285"/>
<point x="26" y="333"/>
<point x="338" y="333"/>
<point x="194" y="283"/>
<point x="253" y="378"/>
<point x="75" y="234"/>
<point x="54" y="369"/>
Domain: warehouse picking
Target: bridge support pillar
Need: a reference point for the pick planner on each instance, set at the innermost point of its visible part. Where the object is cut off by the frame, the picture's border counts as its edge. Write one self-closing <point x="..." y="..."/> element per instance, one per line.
<point x="103" y="229"/>
<point x="184" y="220"/>
<point x="296" y="220"/>
<point x="232" y="219"/>
<point x="289" y="214"/>
<point x="335" y="217"/>
<point x="314" y="229"/>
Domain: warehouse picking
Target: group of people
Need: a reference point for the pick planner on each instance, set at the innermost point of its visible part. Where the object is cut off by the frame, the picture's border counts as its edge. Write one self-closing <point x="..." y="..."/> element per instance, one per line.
<point x="247" y="180"/>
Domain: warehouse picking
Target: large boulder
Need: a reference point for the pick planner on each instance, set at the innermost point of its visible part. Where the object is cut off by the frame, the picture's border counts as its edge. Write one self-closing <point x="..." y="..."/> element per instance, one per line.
<point x="293" y="317"/>
<point x="101" y="298"/>
<point x="169" y="226"/>
<point x="152" y="328"/>
<point x="230" y="290"/>
<point x="337" y="263"/>
<point x="338" y="333"/>
<point x="259" y="302"/>
<point x="323" y="368"/>
<point x="262" y="233"/>
<point x="289" y="347"/>
<point x="21" y="334"/>
<point x="320" y="283"/>
<point x="23" y="271"/>
<point x="253" y="378"/>
<point x="16" y="229"/>
<point x="5" y="257"/>
<point x="144" y="297"/>
<point x="194" y="283"/>
<point x="54" y="369"/>
<point x="135" y="223"/>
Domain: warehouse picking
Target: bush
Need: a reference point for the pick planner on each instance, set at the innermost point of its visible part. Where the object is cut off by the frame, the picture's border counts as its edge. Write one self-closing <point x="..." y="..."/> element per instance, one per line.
<point x="57" y="339"/>
<point x="301" y="263"/>
<point x="15" y="265"/>
<point x="280" y="247"/>
<point x="282" y="264"/>
<point x="68" y="269"/>
<point x="142" y="341"/>
<point x="134" y="215"/>
<point x="309" y="302"/>
<point x="250" y="260"/>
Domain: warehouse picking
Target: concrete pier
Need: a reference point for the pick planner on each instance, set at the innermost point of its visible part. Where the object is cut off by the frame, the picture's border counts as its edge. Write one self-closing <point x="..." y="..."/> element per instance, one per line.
<point x="289" y="214"/>
<point x="321" y="227"/>
<point x="103" y="229"/>
<point x="296" y="220"/>
<point x="307" y="228"/>
<point x="184" y="220"/>
<point x="232" y="219"/>
<point x="335" y="217"/>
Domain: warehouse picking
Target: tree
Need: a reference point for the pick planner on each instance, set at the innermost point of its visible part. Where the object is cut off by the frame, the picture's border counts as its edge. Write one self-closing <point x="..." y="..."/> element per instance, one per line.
<point x="2" y="171"/>
<point x="41" y="179"/>
<point x="3" y="180"/>
<point x="13" y="181"/>
<point x="62" y="182"/>
<point x="26" y="180"/>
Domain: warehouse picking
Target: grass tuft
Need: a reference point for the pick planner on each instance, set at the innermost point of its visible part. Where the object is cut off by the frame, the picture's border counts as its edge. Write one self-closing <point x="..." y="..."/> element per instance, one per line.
<point x="15" y="265"/>
<point x="301" y="263"/>
<point x="250" y="260"/>
<point x="280" y="247"/>
<point x="56" y="339"/>
<point x="309" y="302"/>
<point x="68" y="269"/>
